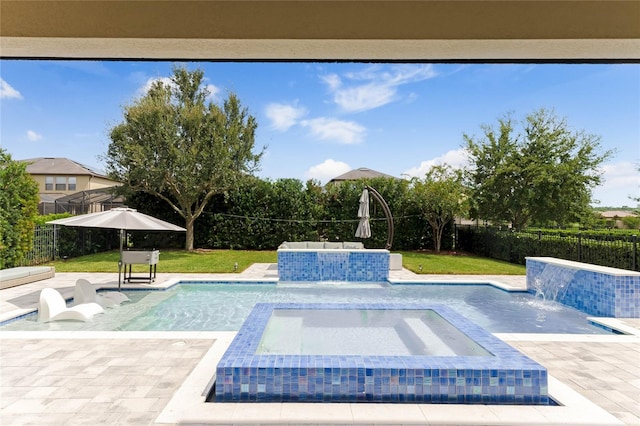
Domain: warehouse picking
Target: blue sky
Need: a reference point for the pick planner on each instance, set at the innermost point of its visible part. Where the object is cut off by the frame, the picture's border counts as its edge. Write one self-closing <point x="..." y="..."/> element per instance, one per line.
<point x="319" y="120"/>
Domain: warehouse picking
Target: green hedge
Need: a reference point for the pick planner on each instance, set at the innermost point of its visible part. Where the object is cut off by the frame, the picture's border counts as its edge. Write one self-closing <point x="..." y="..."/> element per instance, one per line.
<point x="261" y="214"/>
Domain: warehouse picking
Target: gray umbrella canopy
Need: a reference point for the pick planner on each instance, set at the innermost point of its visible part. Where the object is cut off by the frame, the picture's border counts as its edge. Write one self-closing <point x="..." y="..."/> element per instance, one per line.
<point x="122" y="218"/>
<point x="119" y="218"/>
<point x="364" y="229"/>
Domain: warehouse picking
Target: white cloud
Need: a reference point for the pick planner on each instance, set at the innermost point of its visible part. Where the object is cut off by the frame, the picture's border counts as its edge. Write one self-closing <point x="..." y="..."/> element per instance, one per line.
<point x="212" y="89"/>
<point x="213" y="93"/>
<point x="345" y="132"/>
<point x="620" y="175"/>
<point x="455" y="158"/>
<point x="332" y="80"/>
<point x="7" y="91"/>
<point x="375" y="86"/>
<point x="620" y="181"/>
<point x="33" y="136"/>
<point x="149" y="83"/>
<point x="327" y="170"/>
<point x="284" y="116"/>
<point x="363" y="98"/>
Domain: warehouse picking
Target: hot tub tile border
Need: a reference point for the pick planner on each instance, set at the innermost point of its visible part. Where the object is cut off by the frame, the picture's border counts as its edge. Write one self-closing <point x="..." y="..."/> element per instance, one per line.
<point x="507" y="377"/>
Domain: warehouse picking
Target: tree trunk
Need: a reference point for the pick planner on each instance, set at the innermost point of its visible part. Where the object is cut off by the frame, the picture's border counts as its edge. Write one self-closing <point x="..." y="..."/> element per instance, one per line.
<point x="189" y="225"/>
<point x="437" y="235"/>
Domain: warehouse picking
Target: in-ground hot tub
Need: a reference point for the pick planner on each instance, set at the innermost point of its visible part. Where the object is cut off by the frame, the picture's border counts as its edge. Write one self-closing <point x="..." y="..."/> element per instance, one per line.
<point x="373" y="353"/>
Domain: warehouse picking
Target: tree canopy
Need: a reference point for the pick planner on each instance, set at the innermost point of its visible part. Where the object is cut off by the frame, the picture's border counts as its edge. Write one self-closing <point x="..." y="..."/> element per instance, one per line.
<point x="175" y="145"/>
<point x="543" y="174"/>
<point x="440" y="197"/>
<point x="18" y="209"/>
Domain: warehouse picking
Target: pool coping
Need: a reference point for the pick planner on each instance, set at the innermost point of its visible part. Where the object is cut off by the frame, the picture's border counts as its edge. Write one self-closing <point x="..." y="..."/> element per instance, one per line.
<point x="608" y="270"/>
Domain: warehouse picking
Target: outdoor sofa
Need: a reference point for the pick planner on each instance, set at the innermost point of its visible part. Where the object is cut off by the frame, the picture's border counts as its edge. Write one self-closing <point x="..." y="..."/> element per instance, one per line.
<point x="12" y="277"/>
<point x="321" y="245"/>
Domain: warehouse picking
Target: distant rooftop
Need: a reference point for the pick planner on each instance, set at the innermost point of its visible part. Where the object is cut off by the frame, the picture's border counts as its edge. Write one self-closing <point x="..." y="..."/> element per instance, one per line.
<point x="361" y="173"/>
<point x="58" y="166"/>
<point x="617" y="213"/>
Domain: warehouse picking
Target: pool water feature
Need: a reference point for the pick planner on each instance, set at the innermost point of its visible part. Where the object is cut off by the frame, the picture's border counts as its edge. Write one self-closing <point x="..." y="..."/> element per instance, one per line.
<point x="313" y="265"/>
<point x="333" y="265"/>
<point x="260" y="368"/>
<point x="223" y="306"/>
<point x="596" y="290"/>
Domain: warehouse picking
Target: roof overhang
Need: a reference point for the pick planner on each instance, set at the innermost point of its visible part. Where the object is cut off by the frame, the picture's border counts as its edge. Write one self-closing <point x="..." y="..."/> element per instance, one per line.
<point x="376" y="30"/>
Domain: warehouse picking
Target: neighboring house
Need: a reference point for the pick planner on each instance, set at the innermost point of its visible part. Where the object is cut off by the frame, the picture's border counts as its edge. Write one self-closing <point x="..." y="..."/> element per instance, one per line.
<point x="361" y="173"/>
<point x="615" y="217"/>
<point x="68" y="186"/>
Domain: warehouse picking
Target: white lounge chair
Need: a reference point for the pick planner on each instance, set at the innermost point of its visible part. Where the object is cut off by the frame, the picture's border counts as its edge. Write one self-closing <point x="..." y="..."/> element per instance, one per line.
<point x="52" y="307"/>
<point x="85" y="292"/>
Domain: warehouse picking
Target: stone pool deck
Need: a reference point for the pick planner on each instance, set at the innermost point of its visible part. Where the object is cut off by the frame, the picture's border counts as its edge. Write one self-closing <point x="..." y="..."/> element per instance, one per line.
<point x="157" y="378"/>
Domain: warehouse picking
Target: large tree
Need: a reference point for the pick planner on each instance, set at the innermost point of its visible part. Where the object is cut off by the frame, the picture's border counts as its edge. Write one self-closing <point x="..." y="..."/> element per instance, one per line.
<point x="177" y="146"/>
<point x="18" y="209"/>
<point x="544" y="174"/>
<point x="440" y="197"/>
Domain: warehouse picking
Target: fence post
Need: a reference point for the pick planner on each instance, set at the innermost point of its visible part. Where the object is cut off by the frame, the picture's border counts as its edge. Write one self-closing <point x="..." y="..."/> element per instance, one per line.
<point x="455" y="236"/>
<point x="635" y="252"/>
<point x="539" y="242"/>
<point x="579" y="246"/>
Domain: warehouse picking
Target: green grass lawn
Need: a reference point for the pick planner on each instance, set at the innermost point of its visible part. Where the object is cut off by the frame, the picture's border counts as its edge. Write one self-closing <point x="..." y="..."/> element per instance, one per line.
<point x="210" y="261"/>
<point x="218" y="261"/>
<point x="458" y="264"/>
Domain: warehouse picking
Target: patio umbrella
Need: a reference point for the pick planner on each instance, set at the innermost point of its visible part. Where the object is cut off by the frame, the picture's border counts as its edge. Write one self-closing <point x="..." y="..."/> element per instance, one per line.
<point x="122" y="218"/>
<point x="364" y="229"/>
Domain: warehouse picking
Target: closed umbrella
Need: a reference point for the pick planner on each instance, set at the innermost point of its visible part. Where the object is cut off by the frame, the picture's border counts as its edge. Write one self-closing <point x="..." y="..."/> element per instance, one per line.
<point x="122" y="218"/>
<point x="364" y="229"/>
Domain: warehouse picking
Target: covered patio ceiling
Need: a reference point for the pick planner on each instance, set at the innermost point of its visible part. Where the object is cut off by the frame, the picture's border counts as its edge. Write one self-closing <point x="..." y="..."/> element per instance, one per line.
<point x="375" y="30"/>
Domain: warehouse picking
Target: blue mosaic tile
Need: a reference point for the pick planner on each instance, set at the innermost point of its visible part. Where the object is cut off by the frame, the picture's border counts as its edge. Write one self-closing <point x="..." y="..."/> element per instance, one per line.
<point x="333" y="265"/>
<point x="504" y="377"/>
<point x="598" y="293"/>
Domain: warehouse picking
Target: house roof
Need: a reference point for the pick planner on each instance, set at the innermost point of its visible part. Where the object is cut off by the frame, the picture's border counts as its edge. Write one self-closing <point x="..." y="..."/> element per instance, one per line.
<point x="617" y="213"/>
<point x="361" y="173"/>
<point x="59" y="166"/>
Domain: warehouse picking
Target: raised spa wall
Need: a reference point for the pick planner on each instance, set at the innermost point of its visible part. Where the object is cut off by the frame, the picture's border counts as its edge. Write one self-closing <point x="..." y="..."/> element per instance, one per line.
<point x="506" y="376"/>
<point x="370" y="265"/>
<point x="595" y="290"/>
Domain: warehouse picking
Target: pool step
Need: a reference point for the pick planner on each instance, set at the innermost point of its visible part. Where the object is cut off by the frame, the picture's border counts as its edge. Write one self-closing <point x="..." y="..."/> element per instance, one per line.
<point x="280" y="339"/>
<point x="424" y="337"/>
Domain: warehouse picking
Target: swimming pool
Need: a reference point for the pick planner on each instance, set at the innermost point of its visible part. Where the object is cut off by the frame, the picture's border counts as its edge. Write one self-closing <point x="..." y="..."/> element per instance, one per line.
<point x="209" y="306"/>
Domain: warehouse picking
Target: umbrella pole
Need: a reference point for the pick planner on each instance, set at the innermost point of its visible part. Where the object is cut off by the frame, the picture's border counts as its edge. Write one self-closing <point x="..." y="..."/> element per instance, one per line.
<point x="120" y="260"/>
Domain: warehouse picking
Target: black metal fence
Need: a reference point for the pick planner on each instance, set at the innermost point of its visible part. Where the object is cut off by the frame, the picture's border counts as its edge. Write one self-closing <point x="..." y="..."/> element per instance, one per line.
<point x="43" y="247"/>
<point x="51" y="243"/>
<point x="617" y="251"/>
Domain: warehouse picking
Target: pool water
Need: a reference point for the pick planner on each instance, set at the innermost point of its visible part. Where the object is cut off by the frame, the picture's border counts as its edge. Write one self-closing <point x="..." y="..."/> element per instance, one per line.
<point x="224" y="307"/>
<point x="396" y="332"/>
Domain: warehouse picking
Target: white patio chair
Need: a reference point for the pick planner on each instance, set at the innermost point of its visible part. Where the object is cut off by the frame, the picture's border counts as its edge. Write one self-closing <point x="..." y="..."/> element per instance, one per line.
<point x="52" y="307"/>
<point x="85" y="292"/>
